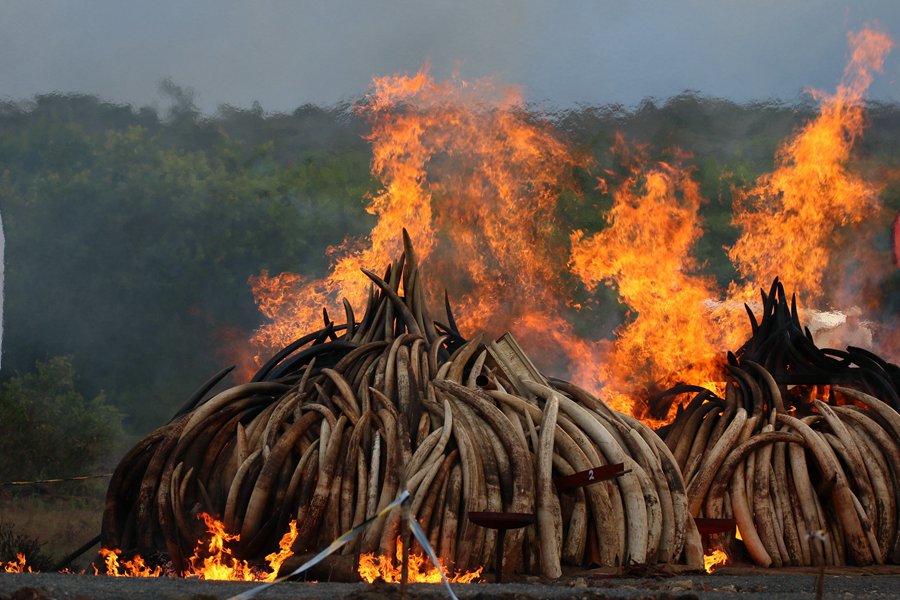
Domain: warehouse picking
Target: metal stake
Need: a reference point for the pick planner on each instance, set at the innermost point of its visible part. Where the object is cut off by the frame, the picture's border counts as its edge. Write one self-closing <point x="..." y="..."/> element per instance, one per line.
<point x="822" y="537"/>
<point x="404" y="536"/>
<point x="501" y="522"/>
<point x="498" y="559"/>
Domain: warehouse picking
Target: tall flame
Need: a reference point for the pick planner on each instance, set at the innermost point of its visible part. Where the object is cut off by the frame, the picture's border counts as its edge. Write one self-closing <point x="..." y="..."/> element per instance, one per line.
<point x="645" y="253"/>
<point x="788" y="219"/>
<point x="136" y="567"/>
<point x="276" y="559"/>
<point x="475" y="180"/>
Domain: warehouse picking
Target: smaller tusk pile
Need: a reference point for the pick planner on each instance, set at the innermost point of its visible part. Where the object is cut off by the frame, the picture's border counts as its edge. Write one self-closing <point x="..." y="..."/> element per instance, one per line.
<point x="810" y="473"/>
<point x="336" y="424"/>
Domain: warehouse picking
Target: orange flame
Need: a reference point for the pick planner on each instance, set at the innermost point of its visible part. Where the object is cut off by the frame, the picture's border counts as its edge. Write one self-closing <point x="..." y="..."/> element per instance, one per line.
<point x="789" y="218"/>
<point x="214" y="562"/>
<point x="714" y="559"/>
<point x="16" y="566"/>
<point x="373" y="568"/>
<point x="217" y="562"/>
<point x="276" y="559"/>
<point x="645" y="254"/>
<point x="135" y="567"/>
<point x="475" y="181"/>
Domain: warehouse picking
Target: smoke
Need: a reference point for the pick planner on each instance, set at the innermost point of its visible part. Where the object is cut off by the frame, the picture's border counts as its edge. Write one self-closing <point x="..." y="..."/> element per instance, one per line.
<point x="2" y="262"/>
<point x="288" y="53"/>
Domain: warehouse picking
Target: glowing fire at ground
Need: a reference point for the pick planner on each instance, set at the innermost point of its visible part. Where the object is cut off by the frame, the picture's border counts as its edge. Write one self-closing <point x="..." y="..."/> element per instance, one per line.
<point x="16" y="566"/>
<point x="215" y="562"/>
<point x="218" y="563"/>
<point x="714" y="559"/>
<point x="135" y="567"/>
<point x="373" y="568"/>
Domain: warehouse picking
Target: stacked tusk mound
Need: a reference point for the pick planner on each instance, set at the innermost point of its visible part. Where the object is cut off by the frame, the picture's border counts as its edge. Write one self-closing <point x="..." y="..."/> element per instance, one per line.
<point x="803" y="451"/>
<point x="334" y="426"/>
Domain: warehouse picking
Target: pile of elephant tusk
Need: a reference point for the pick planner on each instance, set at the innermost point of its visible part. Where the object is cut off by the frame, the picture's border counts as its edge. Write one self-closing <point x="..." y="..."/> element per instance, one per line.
<point x="803" y="451"/>
<point x="336" y="424"/>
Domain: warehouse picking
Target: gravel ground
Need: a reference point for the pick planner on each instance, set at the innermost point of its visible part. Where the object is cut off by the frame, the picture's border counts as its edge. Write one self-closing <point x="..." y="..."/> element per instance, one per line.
<point x="875" y="584"/>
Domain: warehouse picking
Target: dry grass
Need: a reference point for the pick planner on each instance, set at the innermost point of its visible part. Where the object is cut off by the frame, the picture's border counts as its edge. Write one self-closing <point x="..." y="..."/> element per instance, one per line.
<point x="51" y="523"/>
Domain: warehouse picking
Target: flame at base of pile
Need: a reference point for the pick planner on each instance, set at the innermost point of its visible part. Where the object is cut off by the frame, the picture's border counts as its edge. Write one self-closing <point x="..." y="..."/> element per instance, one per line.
<point x="336" y="424"/>
<point x="119" y="567"/>
<point x="716" y="558"/>
<point x="381" y="568"/>
<point x="212" y="560"/>
<point x="215" y="562"/>
<point x="15" y="566"/>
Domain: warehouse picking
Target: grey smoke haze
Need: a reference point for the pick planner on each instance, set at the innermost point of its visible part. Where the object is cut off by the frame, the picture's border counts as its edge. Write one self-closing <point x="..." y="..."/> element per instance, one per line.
<point x="284" y="54"/>
<point x="2" y="263"/>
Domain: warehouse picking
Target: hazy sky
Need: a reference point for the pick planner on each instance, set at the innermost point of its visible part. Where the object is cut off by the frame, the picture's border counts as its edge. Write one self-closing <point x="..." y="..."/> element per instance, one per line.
<point x="285" y="54"/>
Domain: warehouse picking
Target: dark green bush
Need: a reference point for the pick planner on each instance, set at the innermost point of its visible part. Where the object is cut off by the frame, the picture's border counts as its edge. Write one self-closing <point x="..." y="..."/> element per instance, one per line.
<point x="48" y="429"/>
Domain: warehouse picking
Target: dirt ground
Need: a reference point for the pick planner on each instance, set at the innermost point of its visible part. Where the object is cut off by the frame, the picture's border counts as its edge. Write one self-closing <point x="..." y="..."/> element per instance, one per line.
<point x="880" y="583"/>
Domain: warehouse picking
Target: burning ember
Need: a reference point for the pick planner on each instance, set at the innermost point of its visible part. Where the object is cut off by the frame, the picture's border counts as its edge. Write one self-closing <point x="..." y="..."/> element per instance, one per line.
<point x="714" y="559"/>
<point x="790" y="217"/>
<point x="374" y="568"/>
<point x="16" y="566"/>
<point x="135" y="567"/>
<point x="475" y="180"/>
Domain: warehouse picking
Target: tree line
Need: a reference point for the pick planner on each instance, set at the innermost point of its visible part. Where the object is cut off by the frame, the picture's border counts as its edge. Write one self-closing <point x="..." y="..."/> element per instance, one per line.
<point x="131" y="231"/>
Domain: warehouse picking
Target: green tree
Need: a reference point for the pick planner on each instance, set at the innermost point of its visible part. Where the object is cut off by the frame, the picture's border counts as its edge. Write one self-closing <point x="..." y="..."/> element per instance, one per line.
<point x="139" y="234"/>
<point x="48" y="429"/>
